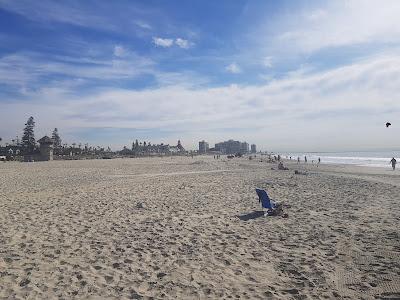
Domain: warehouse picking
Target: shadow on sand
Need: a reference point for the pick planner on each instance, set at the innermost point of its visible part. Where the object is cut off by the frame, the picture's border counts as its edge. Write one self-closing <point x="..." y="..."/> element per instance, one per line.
<point x="252" y="215"/>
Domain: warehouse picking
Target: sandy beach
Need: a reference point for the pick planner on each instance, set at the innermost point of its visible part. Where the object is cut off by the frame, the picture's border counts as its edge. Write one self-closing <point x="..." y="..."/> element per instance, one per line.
<point x="190" y="228"/>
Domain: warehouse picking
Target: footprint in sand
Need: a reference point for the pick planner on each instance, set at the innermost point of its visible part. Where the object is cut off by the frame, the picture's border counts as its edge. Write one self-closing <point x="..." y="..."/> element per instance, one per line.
<point x="108" y="279"/>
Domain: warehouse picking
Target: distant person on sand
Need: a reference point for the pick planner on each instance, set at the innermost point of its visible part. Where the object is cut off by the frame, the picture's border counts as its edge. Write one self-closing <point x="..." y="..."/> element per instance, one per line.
<point x="298" y="159"/>
<point x="305" y="159"/>
<point x="319" y="160"/>
<point x="281" y="166"/>
<point x="393" y="161"/>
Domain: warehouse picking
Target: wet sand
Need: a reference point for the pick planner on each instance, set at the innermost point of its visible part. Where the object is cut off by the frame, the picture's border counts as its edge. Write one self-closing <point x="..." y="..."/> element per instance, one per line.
<point x="183" y="228"/>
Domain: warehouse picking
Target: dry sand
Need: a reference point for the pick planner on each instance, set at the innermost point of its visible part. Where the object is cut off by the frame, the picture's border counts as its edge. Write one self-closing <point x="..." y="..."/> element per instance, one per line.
<point x="170" y="228"/>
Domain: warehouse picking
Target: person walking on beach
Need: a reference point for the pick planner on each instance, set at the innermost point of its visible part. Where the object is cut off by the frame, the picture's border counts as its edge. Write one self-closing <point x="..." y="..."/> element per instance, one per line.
<point x="393" y="161"/>
<point x="298" y="159"/>
<point x="305" y="159"/>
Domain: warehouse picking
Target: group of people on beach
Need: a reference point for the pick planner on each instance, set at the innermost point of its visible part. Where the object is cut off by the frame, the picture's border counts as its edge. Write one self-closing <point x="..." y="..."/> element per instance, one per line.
<point x="305" y="159"/>
<point x="393" y="161"/>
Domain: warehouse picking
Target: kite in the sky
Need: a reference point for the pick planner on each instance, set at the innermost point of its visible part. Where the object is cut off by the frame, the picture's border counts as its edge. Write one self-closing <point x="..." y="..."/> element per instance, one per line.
<point x="388" y="124"/>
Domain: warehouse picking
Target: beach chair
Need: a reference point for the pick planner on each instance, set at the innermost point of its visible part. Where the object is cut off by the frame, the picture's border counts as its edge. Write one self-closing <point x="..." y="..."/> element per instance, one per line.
<point x="266" y="202"/>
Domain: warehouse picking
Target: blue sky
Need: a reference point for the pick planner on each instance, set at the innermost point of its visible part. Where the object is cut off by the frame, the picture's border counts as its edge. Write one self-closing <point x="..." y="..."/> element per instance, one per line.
<point x="286" y="75"/>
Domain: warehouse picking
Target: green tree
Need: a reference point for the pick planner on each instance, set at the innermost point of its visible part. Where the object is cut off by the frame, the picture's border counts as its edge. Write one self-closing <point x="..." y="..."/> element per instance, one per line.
<point x="56" y="138"/>
<point x="28" y="137"/>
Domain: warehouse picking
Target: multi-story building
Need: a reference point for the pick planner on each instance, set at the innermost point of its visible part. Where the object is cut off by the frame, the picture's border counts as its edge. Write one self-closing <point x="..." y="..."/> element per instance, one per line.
<point x="244" y="147"/>
<point x="232" y="147"/>
<point x="203" y="147"/>
<point x="253" y="148"/>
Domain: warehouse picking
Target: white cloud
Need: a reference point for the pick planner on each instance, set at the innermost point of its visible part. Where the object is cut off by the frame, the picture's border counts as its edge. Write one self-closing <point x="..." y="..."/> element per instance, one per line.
<point x="130" y="20"/>
<point x="185" y="44"/>
<point x="160" y="42"/>
<point x="50" y="11"/>
<point x="164" y="42"/>
<point x="119" y="51"/>
<point x="317" y="14"/>
<point x="233" y="68"/>
<point x="143" y="25"/>
<point x="309" y="111"/>
<point x="267" y="61"/>
<point x="338" y="24"/>
<point x="28" y="69"/>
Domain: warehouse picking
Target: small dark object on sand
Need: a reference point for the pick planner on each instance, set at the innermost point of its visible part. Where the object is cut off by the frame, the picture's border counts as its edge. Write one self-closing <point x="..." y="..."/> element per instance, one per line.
<point x="299" y="172"/>
<point x="282" y="167"/>
<point x="278" y="211"/>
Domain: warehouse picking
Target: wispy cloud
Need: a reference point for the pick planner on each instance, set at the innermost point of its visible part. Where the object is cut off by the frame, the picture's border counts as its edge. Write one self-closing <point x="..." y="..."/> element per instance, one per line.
<point x="51" y="11"/>
<point x="143" y="25"/>
<point x="185" y="44"/>
<point x="233" y="68"/>
<point x="293" y="107"/>
<point x="119" y="51"/>
<point x="89" y="14"/>
<point x="341" y="23"/>
<point x="30" y="69"/>
<point x="267" y="61"/>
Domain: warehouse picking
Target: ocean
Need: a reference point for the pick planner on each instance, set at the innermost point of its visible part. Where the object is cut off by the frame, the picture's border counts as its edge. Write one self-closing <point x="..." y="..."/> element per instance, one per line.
<point x="361" y="158"/>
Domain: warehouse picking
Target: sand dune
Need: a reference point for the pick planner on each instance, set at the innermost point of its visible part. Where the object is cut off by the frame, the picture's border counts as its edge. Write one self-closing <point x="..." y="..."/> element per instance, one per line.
<point x="175" y="228"/>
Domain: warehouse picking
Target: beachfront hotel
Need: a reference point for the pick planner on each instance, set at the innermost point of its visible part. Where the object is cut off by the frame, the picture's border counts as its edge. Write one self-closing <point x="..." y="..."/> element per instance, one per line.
<point x="232" y="147"/>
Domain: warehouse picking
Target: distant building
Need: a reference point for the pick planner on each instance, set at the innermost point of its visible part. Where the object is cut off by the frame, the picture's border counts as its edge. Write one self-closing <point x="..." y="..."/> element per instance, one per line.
<point x="46" y="148"/>
<point x="253" y="148"/>
<point x="151" y="149"/>
<point x="176" y="149"/>
<point x="232" y="147"/>
<point x="244" y="148"/>
<point x="45" y="152"/>
<point x="203" y="147"/>
<point x="180" y="147"/>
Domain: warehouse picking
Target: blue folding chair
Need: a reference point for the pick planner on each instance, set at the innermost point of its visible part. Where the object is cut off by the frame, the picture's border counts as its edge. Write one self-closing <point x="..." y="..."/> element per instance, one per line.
<point x="266" y="201"/>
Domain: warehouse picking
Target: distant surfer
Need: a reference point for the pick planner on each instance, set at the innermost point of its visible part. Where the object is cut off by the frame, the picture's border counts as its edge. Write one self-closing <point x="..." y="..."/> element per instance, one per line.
<point x="393" y="162"/>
